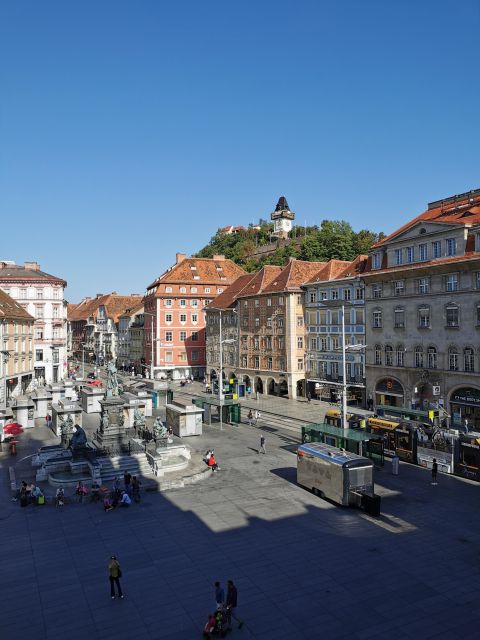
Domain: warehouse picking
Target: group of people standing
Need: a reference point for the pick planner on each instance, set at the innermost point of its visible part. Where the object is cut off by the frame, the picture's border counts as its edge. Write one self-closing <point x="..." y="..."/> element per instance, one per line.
<point x="123" y="497"/>
<point x="220" y="622"/>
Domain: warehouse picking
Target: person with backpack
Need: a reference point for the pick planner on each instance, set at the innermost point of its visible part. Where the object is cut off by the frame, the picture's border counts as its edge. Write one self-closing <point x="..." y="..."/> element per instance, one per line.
<point x="250" y="418"/>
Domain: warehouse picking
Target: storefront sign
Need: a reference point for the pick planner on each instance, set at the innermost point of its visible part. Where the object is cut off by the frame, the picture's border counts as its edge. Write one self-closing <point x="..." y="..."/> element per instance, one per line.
<point x="470" y="397"/>
<point x="388" y="385"/>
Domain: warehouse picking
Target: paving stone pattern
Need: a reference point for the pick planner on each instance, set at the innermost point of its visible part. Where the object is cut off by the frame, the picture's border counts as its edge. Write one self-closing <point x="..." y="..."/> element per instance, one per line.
<point x="304" y="568"/>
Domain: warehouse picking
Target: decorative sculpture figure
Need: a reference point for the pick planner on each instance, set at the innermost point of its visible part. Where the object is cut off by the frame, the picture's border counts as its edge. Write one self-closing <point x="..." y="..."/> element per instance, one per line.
<point x="79" y="438"/>
<point x="112" y="380"/>
<point x="105" y="421"/>
<point x="138" y="419"/>
<point x="159" y="429"/>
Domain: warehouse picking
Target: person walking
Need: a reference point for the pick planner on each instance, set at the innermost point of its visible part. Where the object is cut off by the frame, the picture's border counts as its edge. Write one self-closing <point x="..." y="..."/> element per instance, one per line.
<point x="258" y="415"/>
<point x="250" y="418"/>
<point x="127" y="478"/>
<point x="262" y="445"/>
<point x="309" y="397"/>
<point x="219" y="595"/>
<point x="231" y="603"/>
<point x="114" y="574"/>
<point x="434" y="471"/>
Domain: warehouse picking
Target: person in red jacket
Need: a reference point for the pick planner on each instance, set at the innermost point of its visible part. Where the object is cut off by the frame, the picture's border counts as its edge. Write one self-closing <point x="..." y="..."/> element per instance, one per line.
<point x="212" y="463"/>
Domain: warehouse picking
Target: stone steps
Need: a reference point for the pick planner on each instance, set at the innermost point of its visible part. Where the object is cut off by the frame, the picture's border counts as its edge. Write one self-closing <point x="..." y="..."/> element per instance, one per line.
<point x="136" y="465"/>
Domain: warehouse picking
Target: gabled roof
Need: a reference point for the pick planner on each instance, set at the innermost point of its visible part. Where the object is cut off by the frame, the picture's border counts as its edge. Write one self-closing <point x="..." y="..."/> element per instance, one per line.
<point x="209" y="271"/>
<point x="115" y="306"/>
<point x="462" y="209"/>
<point x="131" y="311"/>
<point x="261" y="280"/>
<point x="293" y="276"/>
<point x="227" y="299"/>
<point x="9" y="308"/>
<point x="337" y="269"/>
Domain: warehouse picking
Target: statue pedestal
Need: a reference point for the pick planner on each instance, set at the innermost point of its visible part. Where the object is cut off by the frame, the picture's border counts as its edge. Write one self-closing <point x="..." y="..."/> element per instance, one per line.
<point x="91" y="398"/>
<point x="113" y="430"/>
<point x="61" y="412"/>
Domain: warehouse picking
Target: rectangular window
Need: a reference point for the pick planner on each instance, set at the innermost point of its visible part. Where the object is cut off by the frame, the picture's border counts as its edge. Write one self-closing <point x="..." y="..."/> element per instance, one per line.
<point x="244" y="362"/>
<point x="436" y="249"/>
<point x="377" y="290"/>
<point x="400" y="357"/>
<point x="410" y="254"/>
<point x="280" y="342"/>
<point x="39" y="312"/>
<point x="207" y="289"/>
<point x="183" y="336"/>
<point x="38" y="334"/>
<point x="398" y="256"/>
<point x="323" y="344"/>
<point x="334" y="294"/>
<point x="182" y="356"/>
<point x="452" y="282"/>
<point x="376" y="261"/>
<point x="55" y="356"/>
<point x="299" y="321"/>
<point x="424" y="317"/>
<point x="399" y="288"/>
<point x="183" y="317"/>
<point x="39" y="294"/>
<point x="299" y="342"/>
<point x="377" y="319"/>
<point x="453" y="361"/>
<point x="423" y="251"/>
<point x="323" y="295"/>
<point x="168" y="356"/>
<point x="39" y="354"/>
<point x="168" y="336"/>
<point x="452" y="316"/>
<point x="257" y="322"/>
<point x="423" y="285"/>
<point x="256" y="362"/>
<point x="311" y="296"/>
<point x="257" y="302"/>
<point x="419" y="359"/>
<point x="168" y="302"/>
<point x="168" y="317"/>
<point x="313" y="344"/>
<point x="194" y="302"/>
<point x="359" y="294"/>
<point x="194" y="336"/>
<point x="347" y="294"/>
<point x="300" y="298"/>
<point x="280" y="322"/>
<point x="269" y="302"/>
<point x="269" y="362"/>
<point x="399" y="315"/>
<point x="451" y="246"/>
<point x="431" y="358"/>
<point x="300" y="364"/>
<point x="183" y="302"/>
<point x="194" y="318"/>
<point x="281" y="300"/>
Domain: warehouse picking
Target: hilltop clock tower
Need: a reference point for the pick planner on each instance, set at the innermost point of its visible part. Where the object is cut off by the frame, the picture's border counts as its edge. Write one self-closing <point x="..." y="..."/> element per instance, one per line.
<point x="282" y="218"/>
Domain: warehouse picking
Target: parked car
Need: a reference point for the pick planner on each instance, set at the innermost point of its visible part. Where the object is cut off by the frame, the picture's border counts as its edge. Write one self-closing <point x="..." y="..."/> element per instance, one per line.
<point x="91" y="376"/>
<point x="95" y="383"/>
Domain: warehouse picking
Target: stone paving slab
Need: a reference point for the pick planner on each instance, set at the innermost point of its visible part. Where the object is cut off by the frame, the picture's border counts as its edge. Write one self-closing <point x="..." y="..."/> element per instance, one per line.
<point x="413" y="573"/>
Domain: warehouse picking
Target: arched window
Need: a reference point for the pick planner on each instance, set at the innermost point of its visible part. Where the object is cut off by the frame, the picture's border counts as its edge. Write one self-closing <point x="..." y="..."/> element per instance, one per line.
<point x="389" y="356"/>
<point x="453" y="359"/>
<point x="400" y="355"/>
<point x="431" y="358"/>
<point x="378" y="354"/>
<point x="419" y="357"/>
<point x="469" y="360"/>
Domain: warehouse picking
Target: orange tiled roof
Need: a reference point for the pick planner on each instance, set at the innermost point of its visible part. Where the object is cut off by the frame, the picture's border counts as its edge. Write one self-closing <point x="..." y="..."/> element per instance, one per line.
<point x="463" y="209"/>
<point x="336" y="269"/>
<point x="115" y="306"/>
<point x="261" y="280"/>
<point x="209" y="270"/>
<point x="293" y="276"/>
<point x="228" y="297"/>
<point x="9" y="308"/>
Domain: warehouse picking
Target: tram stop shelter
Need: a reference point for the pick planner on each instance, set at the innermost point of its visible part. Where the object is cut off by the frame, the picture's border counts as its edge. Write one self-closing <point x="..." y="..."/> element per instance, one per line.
<point x="211" y="405"/>
<point x="356" y="441"/>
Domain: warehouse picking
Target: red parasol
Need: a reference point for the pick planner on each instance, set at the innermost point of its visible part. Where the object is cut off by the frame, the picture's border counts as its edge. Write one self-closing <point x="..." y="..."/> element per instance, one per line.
<point x="12" y="429"/>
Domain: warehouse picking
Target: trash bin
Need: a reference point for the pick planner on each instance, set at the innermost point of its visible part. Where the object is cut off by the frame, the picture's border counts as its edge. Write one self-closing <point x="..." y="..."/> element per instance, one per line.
<point x="371" y="504"/>
<point x="395" y="465"/>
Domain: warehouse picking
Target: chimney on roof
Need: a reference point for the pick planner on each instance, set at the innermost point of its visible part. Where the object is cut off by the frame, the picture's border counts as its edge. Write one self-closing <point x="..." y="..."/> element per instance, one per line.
<point x="218" y="256"/>
<point x="99" y="295"/>
<point x="33" y="266"/>
<point x="4" y="264"/>
<point x="180" y="257"/>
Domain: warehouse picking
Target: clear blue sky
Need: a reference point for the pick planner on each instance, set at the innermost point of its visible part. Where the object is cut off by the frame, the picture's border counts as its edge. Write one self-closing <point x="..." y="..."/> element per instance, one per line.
<point x="132" y="130"/>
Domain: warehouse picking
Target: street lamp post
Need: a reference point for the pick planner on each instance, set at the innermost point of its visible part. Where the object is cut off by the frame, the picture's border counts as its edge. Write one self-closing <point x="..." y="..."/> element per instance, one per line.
<point x="356" y="348"/>
<point x="220" y="385"/>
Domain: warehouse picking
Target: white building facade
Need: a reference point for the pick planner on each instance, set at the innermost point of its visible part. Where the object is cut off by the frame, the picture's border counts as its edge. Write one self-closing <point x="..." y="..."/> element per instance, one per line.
<point x="42" y="296"/>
